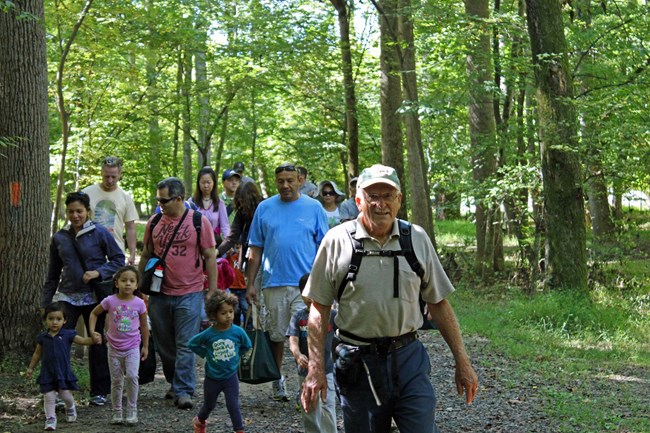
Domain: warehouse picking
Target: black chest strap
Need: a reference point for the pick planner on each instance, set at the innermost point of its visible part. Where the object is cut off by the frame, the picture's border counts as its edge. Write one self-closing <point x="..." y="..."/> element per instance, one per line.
<point x="358" y="252"/>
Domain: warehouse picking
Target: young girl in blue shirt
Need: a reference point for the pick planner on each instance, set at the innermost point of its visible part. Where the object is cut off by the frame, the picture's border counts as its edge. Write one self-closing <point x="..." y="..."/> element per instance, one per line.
<point x="222" y="345"/>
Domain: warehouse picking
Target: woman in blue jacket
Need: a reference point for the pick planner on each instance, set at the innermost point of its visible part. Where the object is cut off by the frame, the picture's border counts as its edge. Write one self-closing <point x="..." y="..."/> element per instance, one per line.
<point x="68" y="281"/>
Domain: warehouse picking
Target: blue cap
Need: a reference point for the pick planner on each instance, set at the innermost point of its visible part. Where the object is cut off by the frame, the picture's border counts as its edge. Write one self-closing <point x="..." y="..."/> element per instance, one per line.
<point x="229" y="173"/>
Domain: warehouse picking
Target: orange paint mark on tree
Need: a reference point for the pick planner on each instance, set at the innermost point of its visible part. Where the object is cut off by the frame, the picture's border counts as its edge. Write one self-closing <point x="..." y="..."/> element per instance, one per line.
<point x="15" y="188"/>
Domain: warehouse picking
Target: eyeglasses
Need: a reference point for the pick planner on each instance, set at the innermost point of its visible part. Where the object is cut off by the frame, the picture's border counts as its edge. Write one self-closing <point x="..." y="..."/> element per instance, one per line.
<point x="285" y="167"/>
<point x="112" y="161"/>
<point x="387" y="197"/>
<point x="324" y="193"/>
<point x="162" y="200"/>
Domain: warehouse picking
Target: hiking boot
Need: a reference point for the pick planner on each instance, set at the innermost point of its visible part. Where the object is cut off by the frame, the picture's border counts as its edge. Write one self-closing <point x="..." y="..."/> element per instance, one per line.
<point x="98" y="400"/>
<point x="280" y="390"/>
<point x="170" y="395"/>
<point x="131" y="417"/>
<point x="199" y="427"/>
<point x="50" y="424"/>
<point x="71" y="414"/>
<point x="117" y="417"/>
<point x="184" y="402"/>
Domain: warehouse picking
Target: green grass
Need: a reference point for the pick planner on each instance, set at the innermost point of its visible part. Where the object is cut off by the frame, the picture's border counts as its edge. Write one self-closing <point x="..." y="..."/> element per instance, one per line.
<point x="565" y="339"/>
<point x="455" y="232"/>
<point x="588" y="351"/>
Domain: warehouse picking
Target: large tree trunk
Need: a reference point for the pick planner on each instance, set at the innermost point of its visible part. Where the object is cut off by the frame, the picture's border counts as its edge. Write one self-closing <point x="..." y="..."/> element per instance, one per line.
<point x="351" y="120"/>
<point x="563" y="195"/>
<point x="482" y="128"/>
<point x="24" y="174"/>
<point x="392" y="149"/>
<point x="421" y="212"/>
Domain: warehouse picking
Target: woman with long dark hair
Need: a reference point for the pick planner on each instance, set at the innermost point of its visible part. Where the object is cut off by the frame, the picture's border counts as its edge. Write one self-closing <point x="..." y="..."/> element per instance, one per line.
<point x="245" y="202"/>
<point x="206" y="199"/>
<point x="69" y="280"/>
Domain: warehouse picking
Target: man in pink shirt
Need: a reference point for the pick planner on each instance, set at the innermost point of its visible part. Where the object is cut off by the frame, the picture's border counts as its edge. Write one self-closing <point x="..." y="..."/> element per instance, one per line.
<point x="176" y="312"/>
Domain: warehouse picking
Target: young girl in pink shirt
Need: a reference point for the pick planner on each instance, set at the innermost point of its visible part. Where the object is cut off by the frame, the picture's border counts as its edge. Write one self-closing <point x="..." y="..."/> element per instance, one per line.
<point x="126" y="321"/>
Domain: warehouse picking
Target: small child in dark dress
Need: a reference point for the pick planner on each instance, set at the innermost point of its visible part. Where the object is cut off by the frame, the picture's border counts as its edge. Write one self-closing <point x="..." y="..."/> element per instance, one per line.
<point x="53" y="347"/>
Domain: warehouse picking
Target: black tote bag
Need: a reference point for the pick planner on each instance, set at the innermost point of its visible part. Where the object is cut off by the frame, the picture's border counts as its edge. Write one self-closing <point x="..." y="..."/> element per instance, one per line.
<point x="258" y="365"/>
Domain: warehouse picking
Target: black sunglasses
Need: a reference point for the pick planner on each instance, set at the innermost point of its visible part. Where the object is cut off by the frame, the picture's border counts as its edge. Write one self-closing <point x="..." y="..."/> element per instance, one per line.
<point x="285" y="167"/>
<point x="165" y="200"/>
<point x="112" y="161"/>
<point x="328" y="193"/>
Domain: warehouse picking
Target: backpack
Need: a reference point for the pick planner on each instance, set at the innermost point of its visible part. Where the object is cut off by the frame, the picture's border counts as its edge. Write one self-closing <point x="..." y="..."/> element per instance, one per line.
<point x="406" y="245"/>
<point x="196" y="222"/>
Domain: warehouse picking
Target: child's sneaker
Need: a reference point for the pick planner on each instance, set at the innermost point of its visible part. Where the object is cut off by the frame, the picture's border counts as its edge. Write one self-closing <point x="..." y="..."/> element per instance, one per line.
<point x="50" y="424"/>
<point x="199" y="427"/>
<point x="71" y="414"/>
<point x="117" y="417"/>
<point x="131" y="417"/>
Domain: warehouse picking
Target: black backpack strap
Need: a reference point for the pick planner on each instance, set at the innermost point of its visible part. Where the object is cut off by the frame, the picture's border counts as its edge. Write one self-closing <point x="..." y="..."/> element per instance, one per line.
<point x="196" y="221"/>
<point x="154" y="223"/>
<point x="406" y="244"/>
<point x="355" y="261"/>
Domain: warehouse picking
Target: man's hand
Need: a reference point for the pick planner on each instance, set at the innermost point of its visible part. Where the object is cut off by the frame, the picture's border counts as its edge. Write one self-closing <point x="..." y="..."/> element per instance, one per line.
<point x="251" y="294"/>
<point x="315" y="385"/>
<point x="466" y="381"/>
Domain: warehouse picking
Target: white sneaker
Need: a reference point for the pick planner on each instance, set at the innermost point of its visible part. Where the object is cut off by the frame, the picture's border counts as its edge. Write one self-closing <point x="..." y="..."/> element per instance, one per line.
<point x="131" y="417"/>
<point x="71" y="414"/>
<point x="117" y="417"/>
<point x="50" y="424"/>
<point x="280" y="390"/>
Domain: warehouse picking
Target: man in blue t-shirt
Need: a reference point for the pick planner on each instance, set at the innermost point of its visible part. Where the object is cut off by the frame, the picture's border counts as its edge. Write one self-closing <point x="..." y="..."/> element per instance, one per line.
<point x="284" y="235"/>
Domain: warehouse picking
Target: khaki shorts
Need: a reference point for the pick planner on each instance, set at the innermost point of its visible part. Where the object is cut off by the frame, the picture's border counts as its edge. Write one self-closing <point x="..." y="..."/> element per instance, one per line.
<point x="281" y="303"/>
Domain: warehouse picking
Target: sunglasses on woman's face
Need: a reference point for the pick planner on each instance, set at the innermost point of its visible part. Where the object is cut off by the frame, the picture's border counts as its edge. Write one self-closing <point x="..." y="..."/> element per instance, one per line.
<point x="324" y="193"/>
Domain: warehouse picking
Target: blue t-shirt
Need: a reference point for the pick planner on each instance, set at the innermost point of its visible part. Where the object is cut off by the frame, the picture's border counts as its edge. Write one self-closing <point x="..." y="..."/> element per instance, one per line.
<point x="221" y="350"/>
<point x="298" y="328"/>
<point x="289" y="233"/>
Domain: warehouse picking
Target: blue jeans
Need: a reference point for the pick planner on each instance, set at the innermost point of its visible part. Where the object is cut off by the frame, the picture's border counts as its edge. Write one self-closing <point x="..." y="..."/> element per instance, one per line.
<point x="174" y="320"/>
<point x="411" y="403"/>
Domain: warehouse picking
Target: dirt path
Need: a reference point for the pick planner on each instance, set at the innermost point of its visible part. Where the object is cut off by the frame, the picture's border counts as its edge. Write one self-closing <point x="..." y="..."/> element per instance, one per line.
<point x="504" y="403"/>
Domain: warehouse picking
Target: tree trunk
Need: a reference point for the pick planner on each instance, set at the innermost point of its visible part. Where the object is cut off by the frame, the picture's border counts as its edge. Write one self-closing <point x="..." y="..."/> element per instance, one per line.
<point x="202" y="90"/>
<point x="351" y="120"/>
<point x="421" y="212"/>
<point x="64" y="115"/>
<point x="563" y="195"/>
<point x="482" y="128"/>
<point x="153" y="127"/>
<point x="392" y="149"/>
<point x="24" y="174"/>
<point x="185" y="118"/>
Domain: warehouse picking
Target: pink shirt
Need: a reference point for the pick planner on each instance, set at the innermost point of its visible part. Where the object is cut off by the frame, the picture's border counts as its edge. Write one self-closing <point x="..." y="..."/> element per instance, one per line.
<point x="123" y="322"/>
<point x="181" y="275"/>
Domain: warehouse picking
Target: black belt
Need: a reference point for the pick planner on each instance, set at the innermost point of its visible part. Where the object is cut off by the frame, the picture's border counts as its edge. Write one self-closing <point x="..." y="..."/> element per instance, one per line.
<point x="382" y="345"/>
